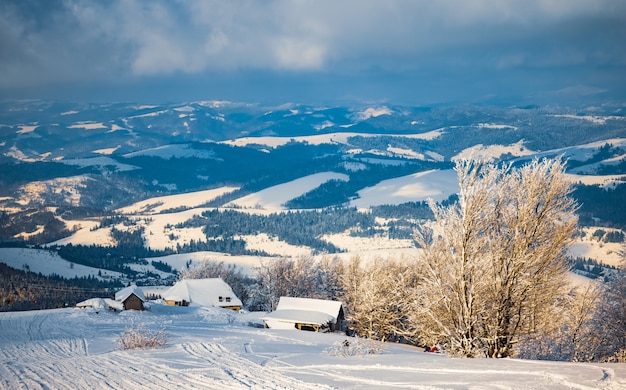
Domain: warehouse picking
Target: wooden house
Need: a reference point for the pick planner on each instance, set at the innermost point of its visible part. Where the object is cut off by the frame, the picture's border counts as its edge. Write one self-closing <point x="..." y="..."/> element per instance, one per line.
<point x="203" y="292"/>
<point x="318" y="315"/>
<point x="131" y="297"/>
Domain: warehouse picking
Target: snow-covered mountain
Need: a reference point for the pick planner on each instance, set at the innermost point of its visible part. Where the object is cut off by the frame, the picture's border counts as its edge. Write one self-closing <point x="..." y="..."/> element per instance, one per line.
<point x="225" y="177"/>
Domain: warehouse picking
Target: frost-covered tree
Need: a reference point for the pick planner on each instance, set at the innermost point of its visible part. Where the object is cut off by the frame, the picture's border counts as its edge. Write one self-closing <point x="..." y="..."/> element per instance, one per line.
<point x="575" y="337"/>
<point x="610" y="320"/>
<point x="379" y="298"/>
<point x="493" y="267"/>
<point x="302" y="277"/>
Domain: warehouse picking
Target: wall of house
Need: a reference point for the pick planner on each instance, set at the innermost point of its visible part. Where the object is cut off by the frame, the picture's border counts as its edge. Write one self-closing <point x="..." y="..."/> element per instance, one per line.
<point x="133" y="302"/>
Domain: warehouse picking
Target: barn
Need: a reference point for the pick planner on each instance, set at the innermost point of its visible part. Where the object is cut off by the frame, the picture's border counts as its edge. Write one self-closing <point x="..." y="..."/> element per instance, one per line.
<point x="203" y="292"/>
<point x="131" y="297"/>
<point x="317" y="315"/>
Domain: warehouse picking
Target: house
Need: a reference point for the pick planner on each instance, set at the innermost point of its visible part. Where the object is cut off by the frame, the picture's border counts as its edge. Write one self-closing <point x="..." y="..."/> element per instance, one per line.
<point x="318" y="315"/>
<point x="202" y="292"/>
<point x="131" y="297"/>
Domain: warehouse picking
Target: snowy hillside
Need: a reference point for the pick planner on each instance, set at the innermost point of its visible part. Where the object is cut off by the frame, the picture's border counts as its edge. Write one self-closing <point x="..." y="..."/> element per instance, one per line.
<point x="257" y="182"/>
<point x="218" y="349"/>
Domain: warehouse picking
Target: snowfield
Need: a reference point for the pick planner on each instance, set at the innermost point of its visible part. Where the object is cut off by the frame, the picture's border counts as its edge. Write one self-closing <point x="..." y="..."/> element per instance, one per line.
<point x="187" y="201"/>
<point x="273" y="198"/>
<point x="50" y="263"/>
<point x="438" y="185"/>
<point x="212" y="348"/>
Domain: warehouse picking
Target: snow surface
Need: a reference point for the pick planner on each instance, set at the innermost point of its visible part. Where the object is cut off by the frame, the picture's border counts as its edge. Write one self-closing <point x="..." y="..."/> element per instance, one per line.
<point x="492" y="152"/>
<point x="173" y="151"/>
<point x="49" y="263"/>
<point x="330" y="138"/>
<point x="106" y="151"/>
<point x="26" y="129"/>
<point x="68" y="187"/>
<point x="212" y="348"/>
<point x="604" y="181"/>
<point x="88" y="126"/>
<point x="188" y="200"/>
<point x="373" y="113"/>
<point x="599" y="120"/>
<point x="101" y="161"/>
<point x="273" y="198"/>
<point x="435" y="184"/>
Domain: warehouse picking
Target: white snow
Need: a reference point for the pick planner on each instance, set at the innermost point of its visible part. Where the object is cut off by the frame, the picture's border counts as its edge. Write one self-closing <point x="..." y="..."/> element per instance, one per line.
<point x="435" y="184"/>
<point x="323" y="125"/>
<point x="66" y="187"/>
<point x="406" y="153"/>
<point x="588" y="246"/>
<point x="48" y="262"/>
<point x="247" y="264"/>
<point x="599" y="120"/>
<point x="88" y="126"/>
<point x="364" y="244"/>
<point x="203" y="292"/>
<point x="274" y="197"/>
<point x="495" y="126"/>
<point x="107" y="151"/>
<point x="373" y="113"/>
<point x="26" y="129"/>
<point x="86" y="234"/>
<point x="188" y="200"/>
<point x="585" y="151"/>
<point x="172" y="151"/>
<point x="213" y="348"/>
<point x="185" y="109"/>
<point x="17" y="154"/>
<point x="149" y="114"/>
<point x="330" y="138"/>
<point x="160" y="232"/>
<point x="100" y="161"/>
<point x="492" y="152"/>
<point x="604" y="181"/>
<point x="273" y="246"/>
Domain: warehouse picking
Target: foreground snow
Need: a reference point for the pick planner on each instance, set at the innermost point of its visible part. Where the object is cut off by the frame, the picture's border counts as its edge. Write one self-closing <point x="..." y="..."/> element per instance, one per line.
<point x="217" y="349"/>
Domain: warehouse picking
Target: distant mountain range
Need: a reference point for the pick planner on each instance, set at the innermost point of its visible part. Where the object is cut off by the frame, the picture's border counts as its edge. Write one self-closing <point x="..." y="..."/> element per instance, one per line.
<point x="180" y="178"/>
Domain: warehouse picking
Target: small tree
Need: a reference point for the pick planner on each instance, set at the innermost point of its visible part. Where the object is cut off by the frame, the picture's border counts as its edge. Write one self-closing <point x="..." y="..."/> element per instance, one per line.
<point x="493" y="264"/>
<point x="137" y="337"/>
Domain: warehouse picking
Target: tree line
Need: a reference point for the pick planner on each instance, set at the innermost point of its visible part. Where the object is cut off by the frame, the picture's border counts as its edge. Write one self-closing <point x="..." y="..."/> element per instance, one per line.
<point x="20" y="290"/>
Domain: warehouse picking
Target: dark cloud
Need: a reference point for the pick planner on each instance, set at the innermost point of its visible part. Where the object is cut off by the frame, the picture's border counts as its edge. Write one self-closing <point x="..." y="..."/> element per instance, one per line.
<point x="384" y="50"/>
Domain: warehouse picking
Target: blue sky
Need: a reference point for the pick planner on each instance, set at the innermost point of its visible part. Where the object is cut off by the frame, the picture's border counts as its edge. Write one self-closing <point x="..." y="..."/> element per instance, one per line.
<point x="316" y="51"/>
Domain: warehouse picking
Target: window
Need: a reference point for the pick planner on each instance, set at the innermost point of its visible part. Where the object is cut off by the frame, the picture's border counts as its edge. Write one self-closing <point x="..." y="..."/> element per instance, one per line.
<point x="221" y="299"/>
<point x="227" y="299"/>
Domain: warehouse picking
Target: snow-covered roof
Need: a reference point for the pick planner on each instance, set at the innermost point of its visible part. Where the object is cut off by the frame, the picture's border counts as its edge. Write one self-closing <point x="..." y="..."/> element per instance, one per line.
<point x="126" y="292"/>
<point x="203" y="292"/>
<point x="100" y="304"/>
<point x="305" y="310"/>
<point x="300" y="316"/>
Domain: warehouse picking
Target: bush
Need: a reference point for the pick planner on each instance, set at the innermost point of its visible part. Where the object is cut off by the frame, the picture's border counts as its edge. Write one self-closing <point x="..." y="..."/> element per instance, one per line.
<point x="137" y="337"/>
<point x="357" y="347"/>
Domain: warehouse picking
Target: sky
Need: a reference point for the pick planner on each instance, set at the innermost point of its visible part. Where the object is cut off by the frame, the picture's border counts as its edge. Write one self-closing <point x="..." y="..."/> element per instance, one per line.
<point x="317" y="51"/>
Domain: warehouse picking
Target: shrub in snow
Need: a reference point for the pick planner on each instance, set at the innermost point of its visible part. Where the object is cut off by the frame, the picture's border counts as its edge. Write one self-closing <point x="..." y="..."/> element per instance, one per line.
<point x="357" y="347"/>
<point x="137" y="337"/>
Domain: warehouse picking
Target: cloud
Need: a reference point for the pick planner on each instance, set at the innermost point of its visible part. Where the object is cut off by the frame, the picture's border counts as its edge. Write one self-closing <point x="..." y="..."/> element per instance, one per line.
<point x="79" y="41"/>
